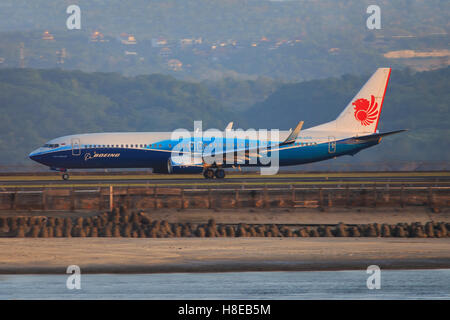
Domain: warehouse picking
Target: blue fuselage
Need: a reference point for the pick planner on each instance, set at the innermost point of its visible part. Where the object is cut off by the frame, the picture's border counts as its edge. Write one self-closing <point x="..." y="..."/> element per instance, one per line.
<point x="87" y="151"/>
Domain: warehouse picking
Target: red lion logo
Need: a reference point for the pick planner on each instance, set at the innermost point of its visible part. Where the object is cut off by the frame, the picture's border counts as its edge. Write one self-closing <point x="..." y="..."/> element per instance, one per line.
<point x="366" y="112"/>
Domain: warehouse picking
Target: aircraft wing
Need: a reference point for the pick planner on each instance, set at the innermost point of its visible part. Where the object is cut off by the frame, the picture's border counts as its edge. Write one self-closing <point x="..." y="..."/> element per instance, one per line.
<point x="293" y="135"/>
<point x="245" y="153"/>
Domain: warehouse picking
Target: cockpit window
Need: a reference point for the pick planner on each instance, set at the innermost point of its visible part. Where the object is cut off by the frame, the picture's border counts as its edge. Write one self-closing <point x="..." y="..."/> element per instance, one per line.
<point x="51" y="146"/>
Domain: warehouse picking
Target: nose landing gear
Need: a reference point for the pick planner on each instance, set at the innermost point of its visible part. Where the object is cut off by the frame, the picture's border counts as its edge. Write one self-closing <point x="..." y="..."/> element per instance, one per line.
<point x="211" y="173"/>
<point x="65" y="175"/>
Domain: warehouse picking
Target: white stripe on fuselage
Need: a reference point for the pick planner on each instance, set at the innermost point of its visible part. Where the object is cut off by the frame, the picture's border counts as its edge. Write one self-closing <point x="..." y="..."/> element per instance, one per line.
<point x="146" y="138"/>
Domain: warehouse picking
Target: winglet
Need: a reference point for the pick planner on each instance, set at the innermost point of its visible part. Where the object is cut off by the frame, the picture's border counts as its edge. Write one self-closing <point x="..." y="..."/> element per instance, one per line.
<point x="229" y="126"/>
<point x="293" y="135"/>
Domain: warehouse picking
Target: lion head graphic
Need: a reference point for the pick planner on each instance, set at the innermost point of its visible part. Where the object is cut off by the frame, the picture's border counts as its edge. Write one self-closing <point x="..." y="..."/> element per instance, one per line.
<point x="366" y="112"/>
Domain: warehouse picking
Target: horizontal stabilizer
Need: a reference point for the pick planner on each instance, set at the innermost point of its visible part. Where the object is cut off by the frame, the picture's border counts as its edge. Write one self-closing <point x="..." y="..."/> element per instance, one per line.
<point x="379" y="135"/>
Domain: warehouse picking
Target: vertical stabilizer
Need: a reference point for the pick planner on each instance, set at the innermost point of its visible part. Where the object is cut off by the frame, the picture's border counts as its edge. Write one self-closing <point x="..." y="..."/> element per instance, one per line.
<point x="363" y="112"/>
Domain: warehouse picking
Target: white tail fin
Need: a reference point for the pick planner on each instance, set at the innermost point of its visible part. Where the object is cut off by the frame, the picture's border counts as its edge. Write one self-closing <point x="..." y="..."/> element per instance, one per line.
<point x="363" y="112"/>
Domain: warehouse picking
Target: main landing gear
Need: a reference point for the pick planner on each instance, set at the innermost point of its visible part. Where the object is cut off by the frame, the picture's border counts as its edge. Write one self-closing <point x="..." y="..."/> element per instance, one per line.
<point x="211" y="173"/>
<point x="65" y="176"/>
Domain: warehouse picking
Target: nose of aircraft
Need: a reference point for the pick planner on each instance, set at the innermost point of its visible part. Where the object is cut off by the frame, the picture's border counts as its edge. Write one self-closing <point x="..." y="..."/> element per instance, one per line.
<point x="33" y="154"/>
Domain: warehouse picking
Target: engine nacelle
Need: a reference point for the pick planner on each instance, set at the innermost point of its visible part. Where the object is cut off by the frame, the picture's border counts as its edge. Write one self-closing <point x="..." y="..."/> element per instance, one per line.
<point x="186" y="170"/>
<point x="171" y="167"/>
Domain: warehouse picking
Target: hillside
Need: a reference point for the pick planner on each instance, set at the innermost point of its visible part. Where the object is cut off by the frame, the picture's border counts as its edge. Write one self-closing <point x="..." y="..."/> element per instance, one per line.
<point x="38" y="105"/>
<point x="210" y="39"/>
<point x="223" y="19"/>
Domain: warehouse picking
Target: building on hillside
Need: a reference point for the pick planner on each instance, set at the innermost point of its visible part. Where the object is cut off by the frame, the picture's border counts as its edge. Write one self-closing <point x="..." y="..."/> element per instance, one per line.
<point x="47" y="36"/>
<point x="159" y="42"/>
<point x="165" y="52"/>
<point x="61" y="55"/>
<point x="129" y="40"/>
<point x="190" y="41"/>
<point x="175" y="65"/>
<point x="97" y="36"/>
<point x="334" y="50"/>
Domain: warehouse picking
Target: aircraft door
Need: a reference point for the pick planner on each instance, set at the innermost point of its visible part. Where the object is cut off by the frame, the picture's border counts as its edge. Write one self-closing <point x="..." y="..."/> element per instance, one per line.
<point x="331" y="144"/>
<point x="76" y="150"/>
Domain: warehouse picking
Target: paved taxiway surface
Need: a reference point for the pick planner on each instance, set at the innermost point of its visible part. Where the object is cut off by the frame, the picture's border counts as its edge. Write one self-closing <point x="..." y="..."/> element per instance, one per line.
<point x="363" y="179"/>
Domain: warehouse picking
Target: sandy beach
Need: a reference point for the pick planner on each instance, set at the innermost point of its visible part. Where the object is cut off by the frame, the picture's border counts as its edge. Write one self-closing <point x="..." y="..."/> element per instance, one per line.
<point x="126" y="255"/>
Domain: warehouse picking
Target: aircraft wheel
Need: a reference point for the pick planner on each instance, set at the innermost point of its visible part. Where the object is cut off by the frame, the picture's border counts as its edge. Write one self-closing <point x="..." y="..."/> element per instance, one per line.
<point x="65" y="176"/>
<point x="220" y="174"/>
<point x="208" y="174"/>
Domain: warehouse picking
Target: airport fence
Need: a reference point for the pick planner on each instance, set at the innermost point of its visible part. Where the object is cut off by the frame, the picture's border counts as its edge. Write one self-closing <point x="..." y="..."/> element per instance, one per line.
<point x="335" y="165"/>
<point x="154" y="198"/>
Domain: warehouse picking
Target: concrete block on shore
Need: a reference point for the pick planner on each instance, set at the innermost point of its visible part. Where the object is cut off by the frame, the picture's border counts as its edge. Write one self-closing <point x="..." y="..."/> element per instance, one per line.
<point x="124" y="223"/>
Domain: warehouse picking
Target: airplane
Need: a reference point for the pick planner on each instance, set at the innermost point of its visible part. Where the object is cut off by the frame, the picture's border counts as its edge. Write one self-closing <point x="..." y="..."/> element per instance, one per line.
<point x="353" y="130"/>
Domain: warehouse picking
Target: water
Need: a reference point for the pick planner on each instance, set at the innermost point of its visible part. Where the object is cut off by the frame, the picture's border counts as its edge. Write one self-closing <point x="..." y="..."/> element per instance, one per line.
<point x="395" y="284"/>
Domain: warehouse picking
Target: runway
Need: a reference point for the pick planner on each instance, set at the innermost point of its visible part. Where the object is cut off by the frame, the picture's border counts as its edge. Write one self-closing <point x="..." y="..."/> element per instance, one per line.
<point x="239" y="180"/>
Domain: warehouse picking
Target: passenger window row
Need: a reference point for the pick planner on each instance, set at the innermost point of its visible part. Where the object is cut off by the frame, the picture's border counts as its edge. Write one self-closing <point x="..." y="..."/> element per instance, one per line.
<point x="124" y="146"/>
<point x="301" y="144"/>
<point x="304" y="144"/>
